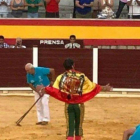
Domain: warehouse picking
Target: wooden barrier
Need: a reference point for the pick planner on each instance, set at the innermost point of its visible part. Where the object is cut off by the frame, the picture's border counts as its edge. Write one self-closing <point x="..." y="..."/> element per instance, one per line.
<point x="12" y="62"/>
<point x="120" y="68"/>
<point x="55" y="57"/>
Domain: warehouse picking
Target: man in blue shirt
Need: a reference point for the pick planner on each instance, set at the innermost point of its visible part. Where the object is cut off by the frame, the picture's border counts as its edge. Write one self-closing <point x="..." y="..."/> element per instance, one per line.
<point x="132" y="133"/>
<point x="39" y="76"/>
<point x="83" y="8"/>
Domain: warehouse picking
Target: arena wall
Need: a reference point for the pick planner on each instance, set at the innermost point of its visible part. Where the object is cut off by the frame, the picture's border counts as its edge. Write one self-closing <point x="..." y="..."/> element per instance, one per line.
<point x="121" y="68"/>
<point x="118" y="67"/>
<point x="12" y="61"/>
<point x="55" y="57"/>
<point x="93" y="32"/>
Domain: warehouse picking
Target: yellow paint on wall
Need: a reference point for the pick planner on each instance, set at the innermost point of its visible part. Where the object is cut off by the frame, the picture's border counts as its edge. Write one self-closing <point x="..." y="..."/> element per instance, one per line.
<point x="82" y="32"/>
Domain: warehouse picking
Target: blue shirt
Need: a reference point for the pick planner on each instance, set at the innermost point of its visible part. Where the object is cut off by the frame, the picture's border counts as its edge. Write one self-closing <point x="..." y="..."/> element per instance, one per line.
<point x="40" y="77"/>
<point x="136" y="135"/>
<point x="86" y="9"/>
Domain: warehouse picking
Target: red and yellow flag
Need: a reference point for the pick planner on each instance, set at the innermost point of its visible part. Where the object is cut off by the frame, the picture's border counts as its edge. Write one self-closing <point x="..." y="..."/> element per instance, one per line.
<point x="89" y="89"/>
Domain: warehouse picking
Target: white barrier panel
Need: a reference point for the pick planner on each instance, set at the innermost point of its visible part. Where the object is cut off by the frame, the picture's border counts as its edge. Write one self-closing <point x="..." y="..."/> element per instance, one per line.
<point x="35" y="57"/>
<point x="15" y="88"/>
<point x="95" y="65"/>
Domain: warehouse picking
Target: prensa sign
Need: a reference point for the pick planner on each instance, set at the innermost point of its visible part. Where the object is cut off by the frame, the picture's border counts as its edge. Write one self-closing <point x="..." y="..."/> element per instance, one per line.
<point x="49" y="43"/>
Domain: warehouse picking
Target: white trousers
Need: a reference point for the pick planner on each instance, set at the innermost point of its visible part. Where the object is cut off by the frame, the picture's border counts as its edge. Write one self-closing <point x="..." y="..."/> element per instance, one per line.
<point x="42" y="106"/>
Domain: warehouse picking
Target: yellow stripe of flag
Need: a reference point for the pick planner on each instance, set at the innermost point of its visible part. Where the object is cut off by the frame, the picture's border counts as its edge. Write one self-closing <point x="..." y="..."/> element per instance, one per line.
<point x="82" y="32"/>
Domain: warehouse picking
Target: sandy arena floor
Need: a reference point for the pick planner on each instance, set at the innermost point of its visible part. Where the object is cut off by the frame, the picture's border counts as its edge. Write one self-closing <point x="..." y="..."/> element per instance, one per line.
<point x="105" y="119"/>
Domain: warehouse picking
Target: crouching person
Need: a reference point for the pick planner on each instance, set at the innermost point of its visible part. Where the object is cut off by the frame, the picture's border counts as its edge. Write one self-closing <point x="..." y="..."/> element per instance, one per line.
<point x="132" y="133"/>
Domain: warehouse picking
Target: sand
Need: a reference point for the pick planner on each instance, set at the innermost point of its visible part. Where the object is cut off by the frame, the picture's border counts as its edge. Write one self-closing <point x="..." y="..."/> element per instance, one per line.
<point x="105" y="119"/>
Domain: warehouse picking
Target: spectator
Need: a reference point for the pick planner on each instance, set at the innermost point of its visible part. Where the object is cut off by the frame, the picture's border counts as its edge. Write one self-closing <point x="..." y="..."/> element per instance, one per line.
<point x="74" y="9"/>
<point x="107" y="11"/>
<point x="17" y="7"/>
<point x="4" y="8"/>
<point x="72" y="43"/>
<point x="134" y="9"/>
<point x="2" y="44"/>
<point x="83" y="8"/>
<point x="52" y="8"/>
<point x="122" y="3"/>
<point x="19" y="44"/>
<point x="96" y="8"/>
<point x="33" y="7"/>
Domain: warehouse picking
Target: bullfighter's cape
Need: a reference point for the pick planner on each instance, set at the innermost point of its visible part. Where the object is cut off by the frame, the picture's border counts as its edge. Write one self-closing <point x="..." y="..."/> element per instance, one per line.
<point x="73" y="87"/>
